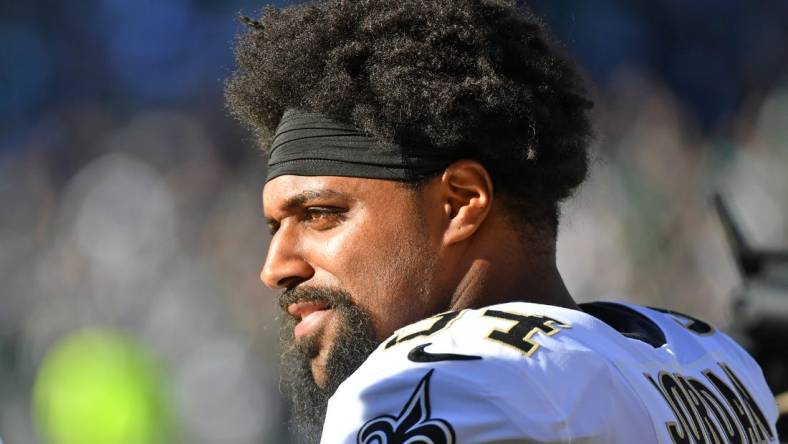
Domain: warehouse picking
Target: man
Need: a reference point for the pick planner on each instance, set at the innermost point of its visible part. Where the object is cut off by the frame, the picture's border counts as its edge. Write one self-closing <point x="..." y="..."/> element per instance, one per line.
<point x="418" y="152"/>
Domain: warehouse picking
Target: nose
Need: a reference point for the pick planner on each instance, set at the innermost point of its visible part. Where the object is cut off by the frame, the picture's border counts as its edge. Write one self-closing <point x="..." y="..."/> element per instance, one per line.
<point x="284" y="266"/>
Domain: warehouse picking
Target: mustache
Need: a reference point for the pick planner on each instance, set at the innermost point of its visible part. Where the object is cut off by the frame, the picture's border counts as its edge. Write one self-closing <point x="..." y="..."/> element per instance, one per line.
<point x="334" y="297"/>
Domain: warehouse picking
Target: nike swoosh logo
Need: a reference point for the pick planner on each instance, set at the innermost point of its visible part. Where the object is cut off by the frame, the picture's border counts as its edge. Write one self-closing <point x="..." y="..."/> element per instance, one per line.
<point x="418" y="354"/>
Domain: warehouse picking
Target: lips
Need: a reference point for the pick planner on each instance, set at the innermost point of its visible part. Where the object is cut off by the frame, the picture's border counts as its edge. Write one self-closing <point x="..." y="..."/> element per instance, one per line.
<point x="311" y="315"/>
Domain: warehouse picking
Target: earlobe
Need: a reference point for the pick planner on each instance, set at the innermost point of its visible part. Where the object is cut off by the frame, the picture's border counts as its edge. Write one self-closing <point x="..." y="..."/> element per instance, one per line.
<point x="468" y="199"/>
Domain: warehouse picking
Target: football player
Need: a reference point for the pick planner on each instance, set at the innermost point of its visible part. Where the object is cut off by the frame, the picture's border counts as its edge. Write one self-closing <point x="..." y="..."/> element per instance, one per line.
<point x="418" y="151"/>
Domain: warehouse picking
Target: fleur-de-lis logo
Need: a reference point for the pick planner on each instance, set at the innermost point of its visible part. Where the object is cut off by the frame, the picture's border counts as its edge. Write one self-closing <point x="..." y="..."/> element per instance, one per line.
<point x="412" y="426"/>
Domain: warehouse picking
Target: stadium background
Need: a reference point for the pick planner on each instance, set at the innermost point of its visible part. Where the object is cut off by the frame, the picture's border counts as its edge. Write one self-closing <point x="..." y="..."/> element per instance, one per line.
<point x="130" y="200"/>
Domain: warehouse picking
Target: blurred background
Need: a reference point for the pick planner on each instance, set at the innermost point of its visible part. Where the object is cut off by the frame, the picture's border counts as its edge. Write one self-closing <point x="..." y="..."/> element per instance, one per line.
<point x="131" y="229"/>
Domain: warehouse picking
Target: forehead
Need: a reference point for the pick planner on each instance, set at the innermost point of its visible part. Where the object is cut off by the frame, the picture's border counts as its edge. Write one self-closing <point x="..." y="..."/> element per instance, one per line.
<point x="283" y="189"/>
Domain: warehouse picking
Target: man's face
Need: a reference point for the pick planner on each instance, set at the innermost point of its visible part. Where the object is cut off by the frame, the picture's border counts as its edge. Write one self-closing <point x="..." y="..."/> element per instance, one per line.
<point x="356" y="258"/>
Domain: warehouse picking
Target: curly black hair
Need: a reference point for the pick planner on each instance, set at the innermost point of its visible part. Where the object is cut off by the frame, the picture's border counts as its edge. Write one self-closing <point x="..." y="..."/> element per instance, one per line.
<point x="476" y="79"/>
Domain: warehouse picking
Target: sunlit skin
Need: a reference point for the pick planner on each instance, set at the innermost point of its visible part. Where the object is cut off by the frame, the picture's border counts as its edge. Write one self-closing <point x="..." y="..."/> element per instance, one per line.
<point x="402" y="254"/>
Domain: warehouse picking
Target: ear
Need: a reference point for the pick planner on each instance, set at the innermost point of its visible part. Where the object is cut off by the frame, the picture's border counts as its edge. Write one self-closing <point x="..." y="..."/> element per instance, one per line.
<point x="467" y="199"/>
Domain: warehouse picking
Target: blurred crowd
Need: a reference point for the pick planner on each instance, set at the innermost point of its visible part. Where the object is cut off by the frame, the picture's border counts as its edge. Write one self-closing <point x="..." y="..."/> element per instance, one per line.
<point x="131" y="200"/>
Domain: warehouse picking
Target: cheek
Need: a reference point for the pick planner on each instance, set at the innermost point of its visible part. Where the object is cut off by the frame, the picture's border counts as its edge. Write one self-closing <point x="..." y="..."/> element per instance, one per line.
<point x="386" y="265"/>
<point x="395" y="280"/>
<point x="358" y="247"/>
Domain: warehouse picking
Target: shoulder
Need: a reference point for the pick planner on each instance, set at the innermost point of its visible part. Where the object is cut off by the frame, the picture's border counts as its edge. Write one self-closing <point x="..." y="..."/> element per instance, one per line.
<point x="692" y="341"/>
<point x="511" y="371"/>
<point x="689" y="337"/>
<point x="699" y="362"/>
<point x="515" y="336"/>
<point x="515" y="329"/>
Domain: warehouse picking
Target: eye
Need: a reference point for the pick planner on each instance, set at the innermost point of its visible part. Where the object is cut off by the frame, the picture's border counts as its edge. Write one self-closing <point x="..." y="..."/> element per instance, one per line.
<point x="323" y="218"/>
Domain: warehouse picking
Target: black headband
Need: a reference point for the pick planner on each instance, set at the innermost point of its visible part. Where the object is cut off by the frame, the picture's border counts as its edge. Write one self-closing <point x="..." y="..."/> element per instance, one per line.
<point x="311" y="144"/>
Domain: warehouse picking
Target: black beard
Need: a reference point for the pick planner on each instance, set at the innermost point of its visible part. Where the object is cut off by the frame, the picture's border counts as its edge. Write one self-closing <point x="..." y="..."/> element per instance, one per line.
<point x="355" y="341"/>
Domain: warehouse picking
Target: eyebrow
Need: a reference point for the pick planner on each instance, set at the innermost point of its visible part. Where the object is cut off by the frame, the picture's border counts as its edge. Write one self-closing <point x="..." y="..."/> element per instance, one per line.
<point x="298" y="200"/>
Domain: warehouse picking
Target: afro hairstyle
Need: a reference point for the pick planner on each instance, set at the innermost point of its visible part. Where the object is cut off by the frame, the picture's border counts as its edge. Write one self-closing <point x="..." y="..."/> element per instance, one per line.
<point x="478" y="79"/>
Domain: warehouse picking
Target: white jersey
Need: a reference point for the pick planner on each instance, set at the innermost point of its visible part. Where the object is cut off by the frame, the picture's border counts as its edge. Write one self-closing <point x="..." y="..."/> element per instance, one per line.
<point x="532" y="373"/>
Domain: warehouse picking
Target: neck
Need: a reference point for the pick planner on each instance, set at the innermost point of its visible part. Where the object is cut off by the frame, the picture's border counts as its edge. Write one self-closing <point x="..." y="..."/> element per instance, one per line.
<point x="482" y="287"/>
<point x="508" y="271"/>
